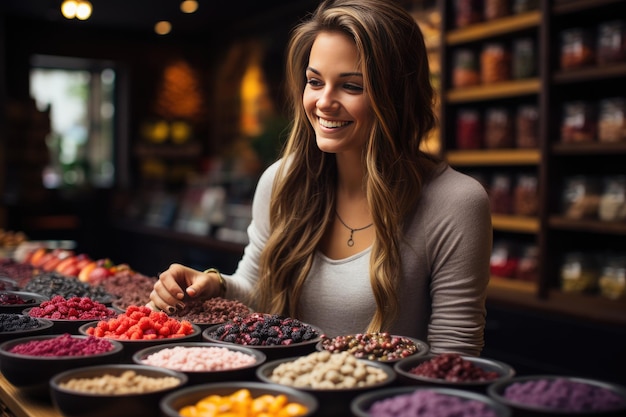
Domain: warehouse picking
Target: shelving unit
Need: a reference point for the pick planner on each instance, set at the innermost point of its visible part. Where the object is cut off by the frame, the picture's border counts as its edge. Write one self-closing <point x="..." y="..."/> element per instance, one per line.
<point x="551" y="161"/>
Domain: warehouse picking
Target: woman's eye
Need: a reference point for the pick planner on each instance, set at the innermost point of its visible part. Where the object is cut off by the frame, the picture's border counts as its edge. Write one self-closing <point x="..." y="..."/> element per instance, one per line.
<point x="353" y="87"/>
<point x="313" y="82"/>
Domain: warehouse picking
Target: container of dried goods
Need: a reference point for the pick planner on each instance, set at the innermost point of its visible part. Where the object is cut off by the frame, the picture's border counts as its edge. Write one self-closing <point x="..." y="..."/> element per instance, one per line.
<point x="426" y="401"/>
<point x="375" y="346"/>
<point x="465" y="72"/>
<point x="555" y="395"/>
<point x="120" y="390"/>
<point x="469" y="129"/>
<point x="495" y="63"/>
<point x="498" y="128"/>
<point x="333" y="378"/>
<point x="611" y="42"/>
<point x="581" y="197"/>
<point x="527" y="127"/>
<point x="612" y="281"/>
<point x="612" y="120"/>
<point x="526" y="195"/>
<point x="579" y="273"/>
<point x="246" y="397"/>
<point x="577" y="48"/>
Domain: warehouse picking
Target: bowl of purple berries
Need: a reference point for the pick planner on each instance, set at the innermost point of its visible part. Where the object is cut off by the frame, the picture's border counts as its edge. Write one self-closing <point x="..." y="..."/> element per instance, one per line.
<point x="452" y="370"/>
<point x="556" y="395"/>
<point x="426" y="401"/>
<point x="15" y="325"/>
<point x="275" y="335"/>
<point x="375" y="346"/>
<point x="16" y="301"/>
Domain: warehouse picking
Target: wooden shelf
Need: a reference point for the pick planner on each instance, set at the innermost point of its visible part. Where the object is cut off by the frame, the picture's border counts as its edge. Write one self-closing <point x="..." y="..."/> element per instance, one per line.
<point x="571" y="6"/>
<point x="589" y="148"/>
<point x="494" y="157"/>
<point x="584" y="225"/>
<point x="515" y="223"/>
<point x="496" y="27"/>
<point x="494" y="91"/>
<point x="590" y="74"/>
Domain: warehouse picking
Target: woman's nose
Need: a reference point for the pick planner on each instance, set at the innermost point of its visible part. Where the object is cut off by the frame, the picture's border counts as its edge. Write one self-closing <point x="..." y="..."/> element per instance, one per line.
<point x="327" y="99"/>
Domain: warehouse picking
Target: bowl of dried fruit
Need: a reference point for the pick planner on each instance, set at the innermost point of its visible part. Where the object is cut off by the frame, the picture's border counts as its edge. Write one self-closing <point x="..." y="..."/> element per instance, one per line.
<point x="29" y="362"/>
<point x="17" y="301"/>
<point x="14" y="325"/>
<point x="69" y="314"/>
<point x="241" y="397"/>
<point x="377" y="346"/>
<point x="120" y="390"/>
<point x="140" y="327"/>
<point x="558" y="395"/>
<point x="452" y="370"/>
<point x="333" y="378"/>
<point x="275" y="335"/>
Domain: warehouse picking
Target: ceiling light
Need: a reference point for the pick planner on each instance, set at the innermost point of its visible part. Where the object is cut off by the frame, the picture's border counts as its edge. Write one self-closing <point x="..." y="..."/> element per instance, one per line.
<point x="163" y="27"/>
<point x="79" y="9"/>
<point x="189" y="6"/>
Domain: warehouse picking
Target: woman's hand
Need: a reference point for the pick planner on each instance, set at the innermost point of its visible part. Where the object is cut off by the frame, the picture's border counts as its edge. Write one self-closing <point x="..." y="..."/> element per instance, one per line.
<point x="176" y="282"/>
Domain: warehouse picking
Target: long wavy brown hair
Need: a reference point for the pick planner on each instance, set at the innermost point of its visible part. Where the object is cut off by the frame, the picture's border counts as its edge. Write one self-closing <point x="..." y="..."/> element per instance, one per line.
<point x="397" y="79"/>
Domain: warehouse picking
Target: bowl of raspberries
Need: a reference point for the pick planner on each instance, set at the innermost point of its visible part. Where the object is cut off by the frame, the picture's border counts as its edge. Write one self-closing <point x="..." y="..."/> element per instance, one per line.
<point x="275" y="335"/>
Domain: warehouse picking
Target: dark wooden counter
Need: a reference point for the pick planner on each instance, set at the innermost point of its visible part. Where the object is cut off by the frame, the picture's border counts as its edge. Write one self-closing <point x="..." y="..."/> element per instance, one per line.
<point x="20" y="405"/>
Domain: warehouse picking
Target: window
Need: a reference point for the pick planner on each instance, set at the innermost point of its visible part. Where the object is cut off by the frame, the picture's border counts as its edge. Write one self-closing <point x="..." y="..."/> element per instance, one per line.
<point x="80" y="96"/>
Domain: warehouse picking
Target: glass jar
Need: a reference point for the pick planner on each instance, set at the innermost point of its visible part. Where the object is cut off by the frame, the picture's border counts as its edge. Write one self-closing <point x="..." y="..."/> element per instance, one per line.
<point x="527" y="127"/>
<point x="494" y="9"/>
<point x="577" y="48"/>
<point x="612" y="281"/>
<point x="579" y="273"/>
<point x="612" y="120"/>
<point x="467" y="12"/>
<point x="504" y="260"/>
<point x="469" y="130"/>
<point x="579" y="123"/>
<point x="611" y="45"/>
<point x="498" y="128"/>
<point x="523" y="58"/>
<point x="501" y="194"/>
<point x="525" y="196"/>
<point x="612" y="205"/>
<point x="495" y="63"/>
<point x="581" y="197"/>
<point x="528" y="266"/>
<point x="465" y="71"/>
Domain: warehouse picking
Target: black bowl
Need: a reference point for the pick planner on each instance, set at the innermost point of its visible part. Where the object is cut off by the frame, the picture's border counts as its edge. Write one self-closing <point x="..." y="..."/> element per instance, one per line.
<point x="29" y="299"/>
<point x="32" y="373"/>
<point x="75" y="403"/>
<point x="497" y="391"/>
<point x="8" y="284"/>
<point x="422" y="348"/>
<point x="196" y="377"/>
<point x="271" y="351"/>
<point x="333" y="401"/>
<point x="361" y="405"/>
<point x="39" y="326"/>
<point x="63" y="325"/>
<point x="405" y="377"/>
<point x="133" y="346"/>
<point x="173" y="402"/>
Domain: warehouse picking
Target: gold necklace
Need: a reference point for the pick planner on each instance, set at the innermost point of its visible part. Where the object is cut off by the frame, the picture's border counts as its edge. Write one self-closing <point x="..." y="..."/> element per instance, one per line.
<point x="350" y="239"/>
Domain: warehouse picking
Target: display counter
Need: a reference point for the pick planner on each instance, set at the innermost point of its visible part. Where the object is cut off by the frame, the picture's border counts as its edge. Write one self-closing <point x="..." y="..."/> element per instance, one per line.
<point x="16" y="404"/>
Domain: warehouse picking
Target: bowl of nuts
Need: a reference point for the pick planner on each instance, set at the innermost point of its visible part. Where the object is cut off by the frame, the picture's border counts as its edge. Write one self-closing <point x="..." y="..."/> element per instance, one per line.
<point x="120" y="390"/>
<point x="275" y="335"/>
<point x="377" y="346"/>
<point x="333" y="378"/>
<point x="452" y="370"/>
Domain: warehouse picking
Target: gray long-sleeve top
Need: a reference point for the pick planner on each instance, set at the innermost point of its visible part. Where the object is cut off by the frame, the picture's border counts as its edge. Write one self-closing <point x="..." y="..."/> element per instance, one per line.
<point x="445" y="264"/>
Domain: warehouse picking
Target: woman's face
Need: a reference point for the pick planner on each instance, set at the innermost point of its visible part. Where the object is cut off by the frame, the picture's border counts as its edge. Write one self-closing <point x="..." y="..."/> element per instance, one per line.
<point x="334" y="98"/>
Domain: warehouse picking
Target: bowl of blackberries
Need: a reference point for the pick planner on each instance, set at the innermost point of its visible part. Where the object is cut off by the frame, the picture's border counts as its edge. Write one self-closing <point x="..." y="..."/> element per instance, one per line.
<point x="29" y="362"/>
<point x="426" y="401"/>
<point x="559" y="395"/>
<point x="452" y="370"/>
<point x="16" y="301"/>
<point x="15" y="325"/>
<point x="275" y="335"/>
<point x="376" y="346"/>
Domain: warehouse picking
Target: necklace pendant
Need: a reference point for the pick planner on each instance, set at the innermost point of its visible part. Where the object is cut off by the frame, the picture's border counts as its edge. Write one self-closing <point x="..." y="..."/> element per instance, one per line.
<point x="350" y="242"/>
